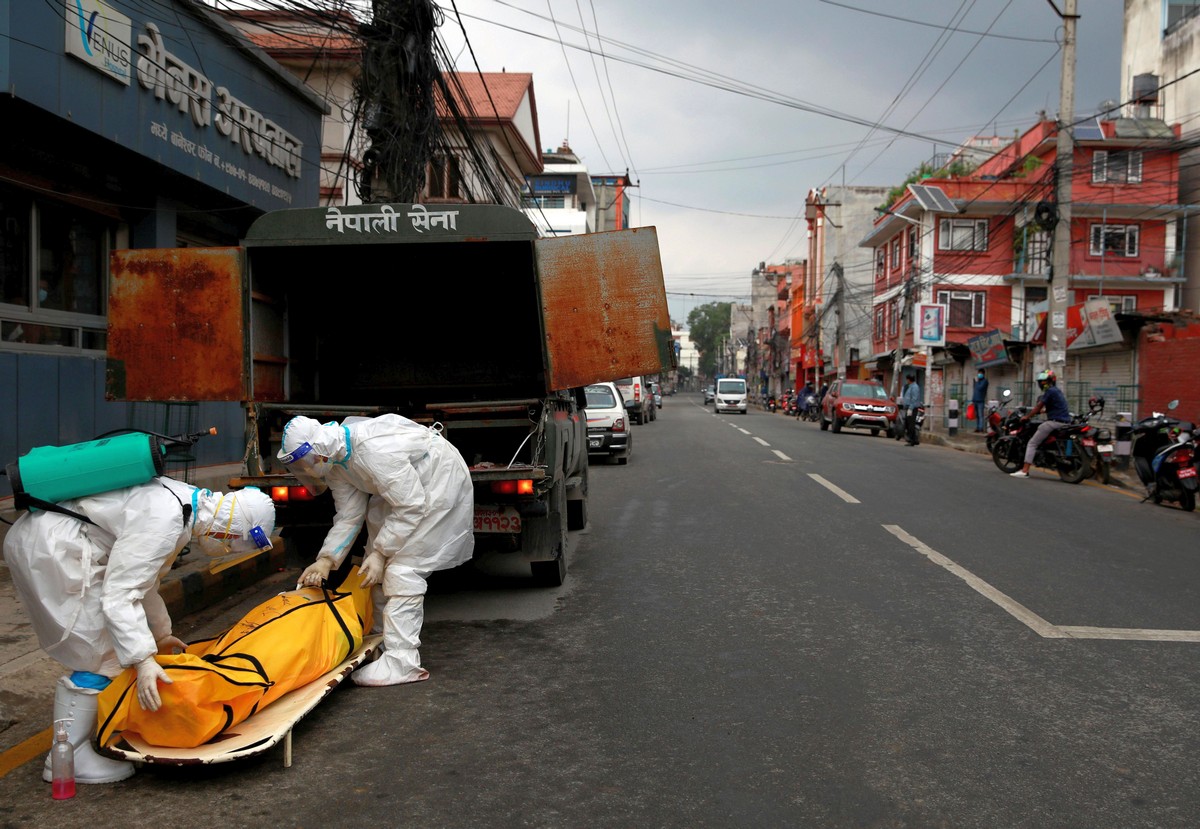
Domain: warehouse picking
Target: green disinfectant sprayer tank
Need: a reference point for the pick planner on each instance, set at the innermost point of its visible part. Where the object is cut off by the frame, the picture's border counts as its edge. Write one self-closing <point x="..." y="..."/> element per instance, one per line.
<point x="48" y="474"/>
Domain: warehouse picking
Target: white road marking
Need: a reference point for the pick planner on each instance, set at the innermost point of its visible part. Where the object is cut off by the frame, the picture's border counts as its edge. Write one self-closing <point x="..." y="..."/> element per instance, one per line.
<point x="1030" y="619"/>
<point x="760" y="440"/>
<point x="782" y="456"/>
<point x="839" y="492"/>
<point x="740" y="429"/>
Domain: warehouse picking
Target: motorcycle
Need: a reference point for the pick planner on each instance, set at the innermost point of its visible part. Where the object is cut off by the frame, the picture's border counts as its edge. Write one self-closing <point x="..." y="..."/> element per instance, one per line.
<point x="1164" y="455"/>
<point x="997" y="418"/>
<point x="808" y="409"/>
<point x="771" y="405"/>
<point x="1060" y="452"/>
<point x="1097" y="442"/>
<point x="912" y="426"/>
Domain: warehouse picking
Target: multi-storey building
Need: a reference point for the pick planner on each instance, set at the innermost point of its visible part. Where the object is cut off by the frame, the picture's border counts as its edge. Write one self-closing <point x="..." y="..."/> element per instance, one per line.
<point x="978" y="245"/>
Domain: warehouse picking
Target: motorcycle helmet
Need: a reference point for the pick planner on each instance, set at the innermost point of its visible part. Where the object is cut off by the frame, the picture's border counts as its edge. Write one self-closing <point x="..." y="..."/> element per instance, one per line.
<point x="1046" y="378"/>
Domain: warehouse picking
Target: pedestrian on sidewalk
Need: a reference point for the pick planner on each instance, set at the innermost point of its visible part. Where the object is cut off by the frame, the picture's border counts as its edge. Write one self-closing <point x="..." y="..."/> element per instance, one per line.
<point x="979" y="399"/>
<point x="89" y="583"/>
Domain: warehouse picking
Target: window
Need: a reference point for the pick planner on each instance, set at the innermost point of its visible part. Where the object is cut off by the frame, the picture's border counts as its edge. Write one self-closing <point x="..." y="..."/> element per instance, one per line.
<point x="53" y="270"/>
<point x="968" y="309"/>
<point x="963" y="234"/>
<point x="894" y="318"/>
<point x="880" y="311"/>
<point x="880" y="262"/>
<point x="1114" y="240"/>
<point x="896" y="253"/>
<point x="912" y="244"/>
<point x="1119" y="304"/>
<point x="1110" y="167"/>
<point x="443" y="180"/>
<point x="1035" y="259"/>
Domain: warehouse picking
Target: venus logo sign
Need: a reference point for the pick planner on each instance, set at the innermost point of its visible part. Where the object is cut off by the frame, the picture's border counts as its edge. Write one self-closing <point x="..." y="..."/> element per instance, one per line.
<point x="99" y="37"/>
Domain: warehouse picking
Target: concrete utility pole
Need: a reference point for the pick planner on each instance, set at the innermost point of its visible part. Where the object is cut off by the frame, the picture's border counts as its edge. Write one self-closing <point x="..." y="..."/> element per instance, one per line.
<point x="1056" y="331"/>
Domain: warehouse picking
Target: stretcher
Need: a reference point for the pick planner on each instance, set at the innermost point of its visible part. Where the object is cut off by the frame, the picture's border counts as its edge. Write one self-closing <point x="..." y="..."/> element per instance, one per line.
<point x="256" y="734"/>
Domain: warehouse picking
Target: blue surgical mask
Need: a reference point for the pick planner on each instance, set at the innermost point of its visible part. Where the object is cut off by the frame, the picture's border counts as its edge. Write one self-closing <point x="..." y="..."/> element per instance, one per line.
<point x="42" y="294"/>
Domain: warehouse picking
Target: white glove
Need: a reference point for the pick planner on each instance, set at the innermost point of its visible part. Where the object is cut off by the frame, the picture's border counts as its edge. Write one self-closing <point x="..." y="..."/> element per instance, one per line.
<point x="149" y="673"/>
<point x="170" y="645"/>
<point x="315" y="573"/>
<point x="371" y="569"/>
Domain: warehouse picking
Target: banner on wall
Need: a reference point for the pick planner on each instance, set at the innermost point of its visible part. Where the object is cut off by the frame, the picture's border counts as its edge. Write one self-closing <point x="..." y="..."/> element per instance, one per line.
<point x="1090" y="324"/>
<point x="988" y="349"/>
<point x="931" y="328"/>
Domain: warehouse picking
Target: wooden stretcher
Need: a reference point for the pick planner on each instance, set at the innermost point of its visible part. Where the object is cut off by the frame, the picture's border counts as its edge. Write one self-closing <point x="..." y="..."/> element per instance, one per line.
<point x="257" y="733"/>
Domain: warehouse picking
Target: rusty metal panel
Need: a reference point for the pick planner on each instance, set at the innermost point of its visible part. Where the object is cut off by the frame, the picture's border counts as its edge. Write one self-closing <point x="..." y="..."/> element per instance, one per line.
<point x="604" y="306"/>
<point x="176" y="326"/>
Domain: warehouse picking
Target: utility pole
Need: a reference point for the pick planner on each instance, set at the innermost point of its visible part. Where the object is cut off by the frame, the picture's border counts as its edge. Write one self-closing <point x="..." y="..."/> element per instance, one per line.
<point x="1060" y="269"/>
<point x="841" y="351"/>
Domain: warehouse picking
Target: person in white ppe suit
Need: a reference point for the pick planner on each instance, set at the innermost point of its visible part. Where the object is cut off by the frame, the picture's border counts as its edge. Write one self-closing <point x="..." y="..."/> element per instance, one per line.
<point x="91" y="589"/>
<point x="414" y="490"/>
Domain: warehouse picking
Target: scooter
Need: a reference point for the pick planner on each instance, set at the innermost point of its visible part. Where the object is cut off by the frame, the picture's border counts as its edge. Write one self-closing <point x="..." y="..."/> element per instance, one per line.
<point x="1060" y="452"/>
<point x="771" y="405"/>
<point x="1164" y="455"/>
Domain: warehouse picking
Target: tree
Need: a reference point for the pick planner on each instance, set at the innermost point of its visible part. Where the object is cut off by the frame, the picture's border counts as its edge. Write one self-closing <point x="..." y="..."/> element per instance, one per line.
<point x="708" y="326"/>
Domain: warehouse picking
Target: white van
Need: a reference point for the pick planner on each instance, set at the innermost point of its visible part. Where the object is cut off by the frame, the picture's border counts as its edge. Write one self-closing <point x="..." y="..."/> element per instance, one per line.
<point x="731" y="395"/>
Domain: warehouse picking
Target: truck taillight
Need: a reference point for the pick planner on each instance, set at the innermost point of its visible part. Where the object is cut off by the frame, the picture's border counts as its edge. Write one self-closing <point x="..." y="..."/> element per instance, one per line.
<point x="522" y="486"/>
<point x="637" y="391"/>
<point x="286" y="494"/>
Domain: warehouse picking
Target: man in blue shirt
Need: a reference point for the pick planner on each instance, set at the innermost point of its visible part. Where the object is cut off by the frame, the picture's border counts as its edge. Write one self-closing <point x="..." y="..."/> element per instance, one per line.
<point x="1054" y="403"/>
<point x="979" y="399"/>
<point x="909" y="402"/>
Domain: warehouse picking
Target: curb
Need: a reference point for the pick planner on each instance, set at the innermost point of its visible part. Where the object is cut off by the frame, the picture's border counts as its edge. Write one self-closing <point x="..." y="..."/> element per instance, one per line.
<point x="189" y="592"/>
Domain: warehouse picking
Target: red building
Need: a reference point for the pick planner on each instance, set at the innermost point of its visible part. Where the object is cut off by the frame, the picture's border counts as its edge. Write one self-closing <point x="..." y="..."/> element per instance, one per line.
<point x="979" y="244"/>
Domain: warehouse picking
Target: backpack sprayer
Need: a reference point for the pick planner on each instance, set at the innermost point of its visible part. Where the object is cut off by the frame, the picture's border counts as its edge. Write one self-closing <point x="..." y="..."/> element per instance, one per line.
<point x="48" y="474"/>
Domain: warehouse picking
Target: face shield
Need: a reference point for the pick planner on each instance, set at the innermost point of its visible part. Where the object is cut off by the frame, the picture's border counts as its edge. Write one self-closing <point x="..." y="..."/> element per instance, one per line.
<point x="308" y="467"/>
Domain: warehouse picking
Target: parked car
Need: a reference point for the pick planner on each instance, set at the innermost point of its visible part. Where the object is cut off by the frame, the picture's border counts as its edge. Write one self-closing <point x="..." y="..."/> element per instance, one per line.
<point x="656" y="391"/>
<point x="608" y="430"/>
<point x="710" y="392"/>
<point x="731" y="395"/>
<point x="858" y="404"/>
<point x="636" y="393"/>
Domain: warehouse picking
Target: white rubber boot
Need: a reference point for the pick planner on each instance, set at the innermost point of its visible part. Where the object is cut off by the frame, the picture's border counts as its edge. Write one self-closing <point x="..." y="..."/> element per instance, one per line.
<point x="79" y="705"/>
<point x="400" y="661"/>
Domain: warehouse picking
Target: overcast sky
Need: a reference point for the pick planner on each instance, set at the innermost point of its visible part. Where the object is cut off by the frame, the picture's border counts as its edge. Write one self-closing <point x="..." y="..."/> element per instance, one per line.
<point x="723" y="172"/>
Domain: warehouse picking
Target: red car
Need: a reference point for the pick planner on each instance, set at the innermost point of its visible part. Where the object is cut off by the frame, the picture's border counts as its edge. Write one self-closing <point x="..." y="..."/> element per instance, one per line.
<point x="858" y="404"/>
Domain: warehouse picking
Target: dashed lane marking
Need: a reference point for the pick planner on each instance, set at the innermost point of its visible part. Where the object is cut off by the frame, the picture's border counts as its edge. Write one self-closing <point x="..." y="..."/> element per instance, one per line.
<point x="1032" y="620"/>
<point x="836" y="490"/>
<point x="740" y="429"/>
<point x="782" y="456"/>
<point x="760" y="440"/>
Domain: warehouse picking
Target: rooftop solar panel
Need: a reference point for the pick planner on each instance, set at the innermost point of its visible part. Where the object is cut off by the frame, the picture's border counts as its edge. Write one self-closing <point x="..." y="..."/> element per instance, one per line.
<point x="1089" y="131"/>
<point x="932" y="198"/>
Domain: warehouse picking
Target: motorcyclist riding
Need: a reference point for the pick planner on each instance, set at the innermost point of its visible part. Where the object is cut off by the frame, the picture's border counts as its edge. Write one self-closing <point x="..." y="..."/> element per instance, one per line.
<point x="1054" y="403"/>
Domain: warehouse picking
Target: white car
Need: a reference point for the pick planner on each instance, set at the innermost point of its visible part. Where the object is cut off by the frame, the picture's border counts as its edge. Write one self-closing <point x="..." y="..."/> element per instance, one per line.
<point x="608" y="431"/>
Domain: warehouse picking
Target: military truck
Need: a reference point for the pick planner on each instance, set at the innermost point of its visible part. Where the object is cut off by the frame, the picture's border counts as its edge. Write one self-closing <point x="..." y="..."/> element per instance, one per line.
<point x="457" y="315"/>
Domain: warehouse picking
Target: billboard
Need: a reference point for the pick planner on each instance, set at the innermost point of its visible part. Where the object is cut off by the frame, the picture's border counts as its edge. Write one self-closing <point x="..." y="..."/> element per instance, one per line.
<point x="931" y="324"/>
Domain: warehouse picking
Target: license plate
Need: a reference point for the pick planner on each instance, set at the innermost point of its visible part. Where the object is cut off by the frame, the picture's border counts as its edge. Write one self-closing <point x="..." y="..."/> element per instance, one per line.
<point x="1187" y="472"/>
<point x="1089" y="442"/>
<point x="1106" y="448"/>
<point x="595" y="442"/>
<point x="489" y="519"/>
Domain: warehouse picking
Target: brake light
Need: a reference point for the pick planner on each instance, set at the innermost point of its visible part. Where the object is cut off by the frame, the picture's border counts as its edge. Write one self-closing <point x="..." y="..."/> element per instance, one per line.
<point x="286" y="494"/>
<point x="522" y="486"/>
<point x="1184" y="457"/>
<point x="619" y="424"/>
<point x="637" y="391"/>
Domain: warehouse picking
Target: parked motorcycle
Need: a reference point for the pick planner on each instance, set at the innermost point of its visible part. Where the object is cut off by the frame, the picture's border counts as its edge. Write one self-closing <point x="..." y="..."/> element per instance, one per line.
<point x="1061" y="452"/>
<point x="1097" y="442"/>
<point x="913" y="426"/>
<point x="1164" y="455"/>
<point x="771" y="404"/>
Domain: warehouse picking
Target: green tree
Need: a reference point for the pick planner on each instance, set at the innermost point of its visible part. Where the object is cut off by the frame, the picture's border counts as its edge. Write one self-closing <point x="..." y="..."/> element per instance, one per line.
<point x="708" y="326"/>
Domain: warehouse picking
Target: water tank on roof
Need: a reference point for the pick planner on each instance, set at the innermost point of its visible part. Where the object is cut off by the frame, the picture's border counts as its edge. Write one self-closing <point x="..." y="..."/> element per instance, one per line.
<point x="1145" y="88"/>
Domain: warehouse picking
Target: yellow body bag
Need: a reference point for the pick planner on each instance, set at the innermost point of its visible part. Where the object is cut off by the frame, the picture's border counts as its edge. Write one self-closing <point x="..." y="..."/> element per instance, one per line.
<point x="284" y="643"/>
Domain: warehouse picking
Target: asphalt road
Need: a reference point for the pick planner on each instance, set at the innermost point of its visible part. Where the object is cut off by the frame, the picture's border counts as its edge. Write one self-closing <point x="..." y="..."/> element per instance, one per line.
<point x="763" y="625"/>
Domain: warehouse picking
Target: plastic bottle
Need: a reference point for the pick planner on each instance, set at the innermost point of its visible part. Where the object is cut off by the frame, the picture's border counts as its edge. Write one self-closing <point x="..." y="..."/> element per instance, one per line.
<point x="62" y="763"/>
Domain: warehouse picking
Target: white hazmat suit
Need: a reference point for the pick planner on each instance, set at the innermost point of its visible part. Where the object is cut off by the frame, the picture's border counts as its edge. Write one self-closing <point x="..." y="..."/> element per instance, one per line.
<point x="414" y="491"/>
<point x="91" y="589"/>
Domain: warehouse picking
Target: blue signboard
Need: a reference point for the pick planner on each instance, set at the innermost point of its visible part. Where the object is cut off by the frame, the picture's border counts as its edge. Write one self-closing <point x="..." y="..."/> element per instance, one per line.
<point x="164" y="80"/>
